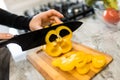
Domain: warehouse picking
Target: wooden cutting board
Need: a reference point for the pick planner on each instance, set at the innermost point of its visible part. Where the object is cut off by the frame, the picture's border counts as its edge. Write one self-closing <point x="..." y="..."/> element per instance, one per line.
<point x="42" y="62"/>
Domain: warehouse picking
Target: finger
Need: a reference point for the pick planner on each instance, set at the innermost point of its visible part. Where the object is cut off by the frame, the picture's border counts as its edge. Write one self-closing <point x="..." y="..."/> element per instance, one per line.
<point x="5" y="36"/>
<point x="53" y="12"/>
<point x="36" y="28"/>
<point x="55" y="20"/>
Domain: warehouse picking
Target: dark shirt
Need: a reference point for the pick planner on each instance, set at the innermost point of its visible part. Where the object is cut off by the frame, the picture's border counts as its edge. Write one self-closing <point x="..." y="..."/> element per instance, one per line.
<point x="13" y="20"/>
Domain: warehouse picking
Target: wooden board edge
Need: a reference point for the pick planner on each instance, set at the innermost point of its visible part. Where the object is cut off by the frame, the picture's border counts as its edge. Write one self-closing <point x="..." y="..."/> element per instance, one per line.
<point x="43" y="70"/>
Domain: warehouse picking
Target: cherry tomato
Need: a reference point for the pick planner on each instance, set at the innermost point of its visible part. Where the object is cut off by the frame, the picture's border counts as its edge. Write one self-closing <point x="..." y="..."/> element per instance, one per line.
<point x="111" y="15"/>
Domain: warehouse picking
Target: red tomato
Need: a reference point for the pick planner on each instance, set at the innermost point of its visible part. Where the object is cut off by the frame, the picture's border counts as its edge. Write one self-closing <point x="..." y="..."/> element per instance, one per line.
<point x="111" y="15"/>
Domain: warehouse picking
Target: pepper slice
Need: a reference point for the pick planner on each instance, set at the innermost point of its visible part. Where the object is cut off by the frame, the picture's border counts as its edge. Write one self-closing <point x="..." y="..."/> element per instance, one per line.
<point x="56" y="62"/>
<point x="83" y="70"/>
<point x="98" y="61"/>
<point x="67" y="63"/>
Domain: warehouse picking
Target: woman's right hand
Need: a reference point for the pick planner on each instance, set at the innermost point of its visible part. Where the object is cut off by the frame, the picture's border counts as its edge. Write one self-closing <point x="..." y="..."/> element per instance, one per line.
<point x="5" y="36"/>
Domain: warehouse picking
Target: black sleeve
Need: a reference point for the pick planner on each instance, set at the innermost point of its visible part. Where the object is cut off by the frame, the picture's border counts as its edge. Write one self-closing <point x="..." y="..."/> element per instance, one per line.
<point x="15" y="21"/>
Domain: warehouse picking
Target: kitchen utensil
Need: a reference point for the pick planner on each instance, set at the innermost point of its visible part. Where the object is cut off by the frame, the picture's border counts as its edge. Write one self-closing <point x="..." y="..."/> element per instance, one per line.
<point x="37" y="38"/>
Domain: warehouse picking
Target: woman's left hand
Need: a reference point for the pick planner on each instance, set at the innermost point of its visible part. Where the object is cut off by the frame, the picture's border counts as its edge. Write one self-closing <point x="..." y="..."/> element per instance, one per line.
<point x="44" y="19"/>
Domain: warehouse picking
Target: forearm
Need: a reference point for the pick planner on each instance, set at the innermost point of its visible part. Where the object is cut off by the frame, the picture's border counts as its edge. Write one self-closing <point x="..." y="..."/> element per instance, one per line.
<point x="12" y="20"/>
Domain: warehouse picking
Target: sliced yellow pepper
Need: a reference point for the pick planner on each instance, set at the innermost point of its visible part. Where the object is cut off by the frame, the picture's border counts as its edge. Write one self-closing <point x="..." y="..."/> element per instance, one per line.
<point x="98" y="61"/>
<point x="80" y="56"/>
<point x="53" y="49"/>
<point x="88" y="58"/>
<point x="83" y="70"/>
<point x="56" y="62"/>
<point x="67" y="63"/>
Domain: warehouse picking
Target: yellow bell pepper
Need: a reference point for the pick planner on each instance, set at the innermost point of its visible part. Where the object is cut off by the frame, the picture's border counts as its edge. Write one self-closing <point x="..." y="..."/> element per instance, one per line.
<point x="67" y="64"/>
<point x="66" y="45"/>
<point x="53" y="49"/>
<point x="59" y="31"/>
<point x="61" y="44"/>
<point x="88" y="58"/>
<point x="83" y="70"/>
<point x="78" y="60"/>
<point x="56" y="62"/>
<point x="49" y="34"/>
<point x="98" y="61"/>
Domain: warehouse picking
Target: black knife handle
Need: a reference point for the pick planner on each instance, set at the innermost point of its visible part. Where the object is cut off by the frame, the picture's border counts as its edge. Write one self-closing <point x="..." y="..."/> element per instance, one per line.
<point x="3" y="43"/>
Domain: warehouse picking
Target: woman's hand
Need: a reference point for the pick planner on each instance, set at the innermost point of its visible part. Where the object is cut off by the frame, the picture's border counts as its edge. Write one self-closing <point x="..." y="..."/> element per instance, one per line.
<point x="39" y="21"/>
<point x="44" y="19"/>
<point x="5" y="36"/>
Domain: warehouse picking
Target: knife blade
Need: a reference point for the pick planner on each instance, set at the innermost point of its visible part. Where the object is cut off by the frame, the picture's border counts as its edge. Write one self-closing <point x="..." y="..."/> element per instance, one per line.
<point x="37" y="38"/>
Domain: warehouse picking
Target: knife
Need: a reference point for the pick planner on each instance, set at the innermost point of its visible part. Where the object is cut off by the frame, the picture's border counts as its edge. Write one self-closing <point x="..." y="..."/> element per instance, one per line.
<point x="36" y="38"/>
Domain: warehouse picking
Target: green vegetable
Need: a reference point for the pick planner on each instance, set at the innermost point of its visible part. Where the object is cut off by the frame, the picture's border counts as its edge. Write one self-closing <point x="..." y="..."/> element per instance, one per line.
<point x="107" y="3"/>
<point x="111" y="4"/>
<point x="90" y="2"/>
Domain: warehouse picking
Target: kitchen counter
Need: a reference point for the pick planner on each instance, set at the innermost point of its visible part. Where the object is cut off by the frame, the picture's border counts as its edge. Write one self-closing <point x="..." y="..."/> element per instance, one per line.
<point x="92" y="33"/>
<point x="97" y="35"/>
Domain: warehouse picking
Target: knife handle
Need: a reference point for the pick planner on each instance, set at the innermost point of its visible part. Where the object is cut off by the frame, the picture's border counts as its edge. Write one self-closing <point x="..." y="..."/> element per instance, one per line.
<point x="3" y="43"/>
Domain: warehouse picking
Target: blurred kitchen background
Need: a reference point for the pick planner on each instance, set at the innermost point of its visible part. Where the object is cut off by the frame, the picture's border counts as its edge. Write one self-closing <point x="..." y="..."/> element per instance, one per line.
<point x="71" y="9"/>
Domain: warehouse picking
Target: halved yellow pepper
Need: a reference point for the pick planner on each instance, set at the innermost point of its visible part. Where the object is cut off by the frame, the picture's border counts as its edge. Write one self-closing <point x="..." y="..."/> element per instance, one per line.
<point x="49" y="34"/>
<point x="69" y="36"/>
<point x="60" y="45"/>
<point x="53" y="49"/>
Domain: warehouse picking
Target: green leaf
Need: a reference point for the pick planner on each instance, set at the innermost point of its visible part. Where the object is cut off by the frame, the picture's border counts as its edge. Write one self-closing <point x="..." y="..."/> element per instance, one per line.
<point x="90" y="2"/>
<point x="111" y="4"/>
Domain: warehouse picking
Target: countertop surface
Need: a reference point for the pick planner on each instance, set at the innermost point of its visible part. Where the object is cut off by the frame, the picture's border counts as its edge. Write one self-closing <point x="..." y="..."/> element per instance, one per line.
<point x="93" y="33"/>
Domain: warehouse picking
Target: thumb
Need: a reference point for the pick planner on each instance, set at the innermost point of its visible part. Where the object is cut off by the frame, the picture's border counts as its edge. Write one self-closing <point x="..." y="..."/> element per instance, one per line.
<point x="5" y="36"/>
